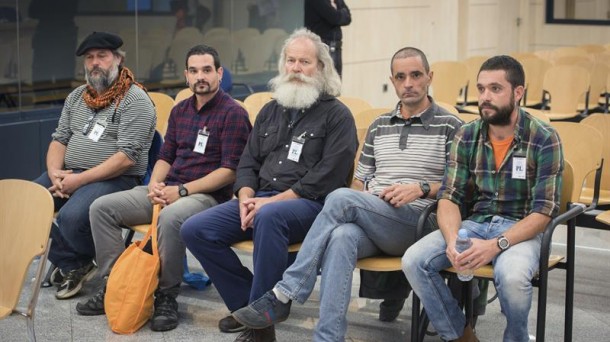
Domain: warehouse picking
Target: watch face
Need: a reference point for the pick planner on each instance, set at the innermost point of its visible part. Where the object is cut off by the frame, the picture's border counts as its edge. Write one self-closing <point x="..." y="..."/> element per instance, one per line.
<point x="503" y="242"/>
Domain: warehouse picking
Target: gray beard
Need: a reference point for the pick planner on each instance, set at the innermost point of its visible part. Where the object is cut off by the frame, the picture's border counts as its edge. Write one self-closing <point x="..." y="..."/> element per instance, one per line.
<point x="291" y="94"/>
<point x="294" y="95"/>
<point x="102" y="82"/>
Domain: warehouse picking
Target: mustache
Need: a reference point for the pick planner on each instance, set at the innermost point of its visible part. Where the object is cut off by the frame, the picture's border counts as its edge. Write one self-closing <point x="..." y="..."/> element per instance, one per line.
<point x="488" y="105"/>
<point x="202" y="82"/>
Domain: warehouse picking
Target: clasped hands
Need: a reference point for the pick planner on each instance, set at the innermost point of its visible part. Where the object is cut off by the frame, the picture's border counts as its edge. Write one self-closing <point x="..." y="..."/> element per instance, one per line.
<point x="160" y="193"/>
<point x="65" y="183"/>
<point x="248" y="209"/>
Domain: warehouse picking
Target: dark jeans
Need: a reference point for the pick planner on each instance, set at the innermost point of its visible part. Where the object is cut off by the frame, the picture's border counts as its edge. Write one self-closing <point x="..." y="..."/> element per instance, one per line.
<point x="72" y="246"/>
<point x="210" y="234"/>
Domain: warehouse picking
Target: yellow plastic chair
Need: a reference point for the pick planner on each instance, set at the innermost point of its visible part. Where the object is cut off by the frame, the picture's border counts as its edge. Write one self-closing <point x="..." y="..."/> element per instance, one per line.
<point x="26" y="214"/>
<point x="255" y="102"/>
<point x="163" y="106"/>
<point x="450" y="78"/>
<point x="183" y="95"/>
<point x="355" y="104"/>
<point x="473" y="64"/>
<point x="448" y="107"/>
<point x="565" y="84"/>
<point x="535" y="69"/>
<point x="601" y="123"/>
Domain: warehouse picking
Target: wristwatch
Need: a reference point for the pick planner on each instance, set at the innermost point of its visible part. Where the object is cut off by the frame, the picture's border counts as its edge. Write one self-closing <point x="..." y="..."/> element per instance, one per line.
<point x="503" y="243"/>
<point x="425" y="188"/>
<point x="182" y="190"/>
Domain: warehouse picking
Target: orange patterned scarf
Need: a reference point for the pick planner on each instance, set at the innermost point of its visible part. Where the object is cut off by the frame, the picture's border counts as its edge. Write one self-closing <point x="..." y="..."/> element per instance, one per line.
<point x="115" y="93"/>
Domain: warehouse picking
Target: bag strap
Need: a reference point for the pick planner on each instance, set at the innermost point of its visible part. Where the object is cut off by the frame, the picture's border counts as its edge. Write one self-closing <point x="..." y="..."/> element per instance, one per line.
<point x="152" y="230"/>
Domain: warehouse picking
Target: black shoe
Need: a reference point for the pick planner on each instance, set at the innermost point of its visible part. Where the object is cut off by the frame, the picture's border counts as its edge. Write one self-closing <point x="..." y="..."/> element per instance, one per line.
<point x="390" y="308"/>
<point x="166" y="311"/>
<point x="230" y="325"/>
<point x="257" y="335"/>
<point x="93" y="306"/>
<point x="74" y="280"/>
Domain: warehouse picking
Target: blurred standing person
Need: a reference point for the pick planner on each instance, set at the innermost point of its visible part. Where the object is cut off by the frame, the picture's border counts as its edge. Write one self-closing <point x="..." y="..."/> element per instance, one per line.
<point x="325" y="18"/>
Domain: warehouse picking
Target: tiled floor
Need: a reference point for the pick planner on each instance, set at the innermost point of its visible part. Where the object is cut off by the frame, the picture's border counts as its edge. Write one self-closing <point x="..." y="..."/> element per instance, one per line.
<point x="201" y="310"/>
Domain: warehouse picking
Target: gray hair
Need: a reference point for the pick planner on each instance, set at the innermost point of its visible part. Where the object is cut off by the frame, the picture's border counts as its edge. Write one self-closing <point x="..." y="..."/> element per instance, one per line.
<point x="332" y="81"/>
<point x="120" y="54"/>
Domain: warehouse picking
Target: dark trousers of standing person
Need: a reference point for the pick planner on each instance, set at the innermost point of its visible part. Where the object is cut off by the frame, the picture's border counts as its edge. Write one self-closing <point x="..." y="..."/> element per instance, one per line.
<point x="334" y="47"/>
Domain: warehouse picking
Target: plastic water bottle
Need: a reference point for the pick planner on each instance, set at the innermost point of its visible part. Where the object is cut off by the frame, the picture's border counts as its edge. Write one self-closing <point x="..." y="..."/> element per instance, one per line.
<point x="462" y="243"/>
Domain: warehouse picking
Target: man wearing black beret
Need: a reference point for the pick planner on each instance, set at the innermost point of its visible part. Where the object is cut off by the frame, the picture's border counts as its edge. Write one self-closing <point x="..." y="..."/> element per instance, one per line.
<point x="100" y="146"/>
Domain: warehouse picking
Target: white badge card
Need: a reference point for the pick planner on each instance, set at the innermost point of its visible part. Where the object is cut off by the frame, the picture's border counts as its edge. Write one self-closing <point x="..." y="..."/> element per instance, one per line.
<point x="296" y="147"/>
<point x="97" y="131"/>
<point x="519" y="166"/>
<point x="202" y="140"/>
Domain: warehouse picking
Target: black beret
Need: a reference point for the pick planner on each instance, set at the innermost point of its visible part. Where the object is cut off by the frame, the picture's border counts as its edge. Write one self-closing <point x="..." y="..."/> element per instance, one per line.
<point x="99" y="40"/>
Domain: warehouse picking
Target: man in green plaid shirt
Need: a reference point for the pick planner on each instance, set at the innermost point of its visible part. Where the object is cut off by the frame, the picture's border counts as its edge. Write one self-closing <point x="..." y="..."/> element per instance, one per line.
<point x="514" y="162"/>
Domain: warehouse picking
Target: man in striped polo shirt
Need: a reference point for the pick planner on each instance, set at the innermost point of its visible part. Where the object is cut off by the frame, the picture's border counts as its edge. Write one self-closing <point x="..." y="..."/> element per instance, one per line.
<point x="399" y="172"/>
<point x="100" y="146"/>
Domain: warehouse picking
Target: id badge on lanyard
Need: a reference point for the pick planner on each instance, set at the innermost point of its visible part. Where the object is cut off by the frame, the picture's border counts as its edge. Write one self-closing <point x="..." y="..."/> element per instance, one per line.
<point x="296" y="147"/>
<point x="519" y="165"/>
<point x="97" y="131"/>
<point x="202" y="140"/>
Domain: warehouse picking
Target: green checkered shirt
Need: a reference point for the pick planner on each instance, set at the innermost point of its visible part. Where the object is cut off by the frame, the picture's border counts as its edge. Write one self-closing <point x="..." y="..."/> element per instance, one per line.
<point x="496" y="192"/>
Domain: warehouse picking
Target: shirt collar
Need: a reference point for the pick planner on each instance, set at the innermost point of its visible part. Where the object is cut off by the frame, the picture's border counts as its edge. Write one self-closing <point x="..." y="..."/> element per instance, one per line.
<point x="212" y="103"/>
<point x="425" y="117"/>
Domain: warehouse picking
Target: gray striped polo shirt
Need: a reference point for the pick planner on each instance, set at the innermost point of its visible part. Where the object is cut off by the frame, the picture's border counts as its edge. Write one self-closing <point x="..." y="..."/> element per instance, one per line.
<point x="407" y="151"/>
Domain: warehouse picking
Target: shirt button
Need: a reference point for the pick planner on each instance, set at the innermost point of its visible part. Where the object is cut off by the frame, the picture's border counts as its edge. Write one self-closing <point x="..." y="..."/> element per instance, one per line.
<point x="274" y="179"/>
<point x="493" y="172"/>
<point x="496" y="194"/>
<point x="286" y="146"/>
<point x="280" y="161"/>
<point x="266" y="134"/>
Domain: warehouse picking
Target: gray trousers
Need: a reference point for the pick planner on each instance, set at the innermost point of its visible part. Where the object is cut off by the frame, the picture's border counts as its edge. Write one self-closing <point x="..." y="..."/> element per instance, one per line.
<point x="112" y="213"/>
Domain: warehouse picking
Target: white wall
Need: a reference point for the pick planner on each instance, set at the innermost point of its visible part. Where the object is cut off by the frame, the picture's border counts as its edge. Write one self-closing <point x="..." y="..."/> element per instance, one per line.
<point x="445" y="30"/>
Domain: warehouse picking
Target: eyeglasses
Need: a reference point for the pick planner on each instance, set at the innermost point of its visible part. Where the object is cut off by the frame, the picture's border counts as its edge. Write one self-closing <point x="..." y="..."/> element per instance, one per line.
<point x="88" y="124"/>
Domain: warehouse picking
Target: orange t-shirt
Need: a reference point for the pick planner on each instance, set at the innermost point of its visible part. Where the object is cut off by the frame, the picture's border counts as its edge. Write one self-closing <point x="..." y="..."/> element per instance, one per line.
<point x="500" y="149"/>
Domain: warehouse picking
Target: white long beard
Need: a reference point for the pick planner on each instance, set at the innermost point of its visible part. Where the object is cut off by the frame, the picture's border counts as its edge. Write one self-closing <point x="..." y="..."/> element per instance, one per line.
<point x="299" y="95"/>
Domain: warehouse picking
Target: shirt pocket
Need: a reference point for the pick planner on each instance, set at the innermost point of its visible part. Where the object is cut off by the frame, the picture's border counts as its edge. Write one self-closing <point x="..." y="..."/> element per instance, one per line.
<point x="313" y="149"/>
<point x="268" y="139"/>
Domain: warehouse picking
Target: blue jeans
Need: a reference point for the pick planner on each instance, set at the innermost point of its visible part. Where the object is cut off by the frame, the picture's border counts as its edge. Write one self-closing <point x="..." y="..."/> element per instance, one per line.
<point x="210" y="234"/>
<point x="352" y="225"/>
<point x="72" y="245"/>
<point x="513" y="272"/>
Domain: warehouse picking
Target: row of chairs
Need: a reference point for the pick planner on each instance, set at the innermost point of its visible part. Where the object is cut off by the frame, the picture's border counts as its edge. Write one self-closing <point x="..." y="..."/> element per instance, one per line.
<point x="563" y="86"/>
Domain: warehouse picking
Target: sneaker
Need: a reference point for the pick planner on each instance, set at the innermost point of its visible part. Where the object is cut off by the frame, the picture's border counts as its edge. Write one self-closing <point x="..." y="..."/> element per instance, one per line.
<point x="166" y="312"/>
<point x="57" y="277"/>
<point x="257" y="335"/>
<point x="230" y="325"/>
<point x="93" y="306"/>
<point x="263" y="312"/>
<point x="73" y="281"/>
<point x="390" y="308"/>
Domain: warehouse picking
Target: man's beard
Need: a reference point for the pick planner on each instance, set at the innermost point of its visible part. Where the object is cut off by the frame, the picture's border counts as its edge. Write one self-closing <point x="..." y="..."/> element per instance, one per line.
<point x="105" y="78"/>
<point x="297" y="90"/>
<point x="502" y="115"/>
<point x="207" y="90"/>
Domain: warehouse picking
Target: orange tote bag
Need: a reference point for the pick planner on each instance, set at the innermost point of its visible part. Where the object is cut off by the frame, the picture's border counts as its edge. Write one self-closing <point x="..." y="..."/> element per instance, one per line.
<point x="132" y="283"/>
